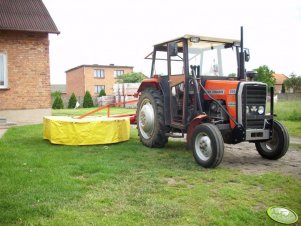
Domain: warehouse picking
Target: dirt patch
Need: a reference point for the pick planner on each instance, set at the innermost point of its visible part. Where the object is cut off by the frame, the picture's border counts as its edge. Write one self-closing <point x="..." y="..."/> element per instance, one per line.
<point x="177" y="182"/>
<point x="245" y="157"/>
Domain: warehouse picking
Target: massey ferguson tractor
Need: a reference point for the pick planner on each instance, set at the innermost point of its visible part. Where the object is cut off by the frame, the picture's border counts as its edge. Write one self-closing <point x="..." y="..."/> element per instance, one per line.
<point x="199" y="87"/>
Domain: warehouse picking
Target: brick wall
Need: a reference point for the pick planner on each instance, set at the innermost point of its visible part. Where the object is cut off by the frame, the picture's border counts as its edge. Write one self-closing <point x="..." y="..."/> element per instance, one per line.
<point x="75" y="82"/>
<point x="28" y="71"/>
<point x="81" y="79"/>
<point x="108" y="81"/>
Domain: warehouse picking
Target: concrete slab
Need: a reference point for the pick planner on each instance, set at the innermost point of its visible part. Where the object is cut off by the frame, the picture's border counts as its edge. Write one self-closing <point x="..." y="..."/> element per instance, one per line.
<point x="25" y="116"/>
<point x="295" y="140"/>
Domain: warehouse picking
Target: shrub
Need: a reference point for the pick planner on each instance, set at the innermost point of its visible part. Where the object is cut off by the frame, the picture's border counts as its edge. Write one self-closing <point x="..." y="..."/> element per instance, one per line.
<point x="102" y="93"/>
<point x="88" y="102"/>
<point x="58" y="103"/>
<point x="72" y="101"/>
<point x="56" y="93"/>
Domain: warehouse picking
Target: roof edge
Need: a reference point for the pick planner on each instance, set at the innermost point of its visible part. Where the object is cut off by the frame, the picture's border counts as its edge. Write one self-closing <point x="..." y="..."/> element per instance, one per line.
<point x="30" y="30"/>
<point x="98" y="66"/>
<point x="202" y="38"/>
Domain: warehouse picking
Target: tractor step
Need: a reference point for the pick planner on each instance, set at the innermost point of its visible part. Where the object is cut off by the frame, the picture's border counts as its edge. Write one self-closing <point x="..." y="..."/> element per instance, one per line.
<point x="175" y="135"/>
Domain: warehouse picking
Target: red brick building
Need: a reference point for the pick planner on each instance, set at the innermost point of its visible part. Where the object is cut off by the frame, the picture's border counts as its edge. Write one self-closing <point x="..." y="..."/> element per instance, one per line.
<point x="280" y="78"/>
<point x="24" y="60"/>
<point x="93" y="78"/>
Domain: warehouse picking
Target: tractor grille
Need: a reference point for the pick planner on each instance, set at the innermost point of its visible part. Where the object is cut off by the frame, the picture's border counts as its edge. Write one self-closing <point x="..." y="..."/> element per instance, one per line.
<point x="253" y="99"/>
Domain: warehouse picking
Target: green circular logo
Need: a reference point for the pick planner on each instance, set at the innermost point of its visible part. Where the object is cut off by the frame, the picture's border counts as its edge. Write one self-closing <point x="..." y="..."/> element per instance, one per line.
<point x="282" y="215"/>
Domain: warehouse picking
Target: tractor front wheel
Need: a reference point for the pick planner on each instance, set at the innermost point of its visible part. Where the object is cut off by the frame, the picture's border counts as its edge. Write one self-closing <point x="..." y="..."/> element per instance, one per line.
<point x="150" y="119"/>
<point x="207" y="145"/>
<point x="277" y="146"/>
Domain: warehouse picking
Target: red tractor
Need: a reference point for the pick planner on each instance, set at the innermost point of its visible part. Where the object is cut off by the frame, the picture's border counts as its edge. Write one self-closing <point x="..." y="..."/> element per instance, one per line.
<point x="198" y="87"/>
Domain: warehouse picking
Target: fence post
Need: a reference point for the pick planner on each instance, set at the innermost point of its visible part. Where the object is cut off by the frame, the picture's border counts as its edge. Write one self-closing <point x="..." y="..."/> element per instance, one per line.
<point x="108" y="112"/>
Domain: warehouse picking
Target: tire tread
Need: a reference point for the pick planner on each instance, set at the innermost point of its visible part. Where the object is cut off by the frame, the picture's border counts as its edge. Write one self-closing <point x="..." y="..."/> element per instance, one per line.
<point x="160" y="139"/>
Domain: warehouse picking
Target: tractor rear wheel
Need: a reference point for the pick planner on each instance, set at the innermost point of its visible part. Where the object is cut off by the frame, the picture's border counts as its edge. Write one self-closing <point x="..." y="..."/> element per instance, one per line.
<point x="276" y="147"/>
<point x="150" y="119"/>
<point x="207" y="145"/>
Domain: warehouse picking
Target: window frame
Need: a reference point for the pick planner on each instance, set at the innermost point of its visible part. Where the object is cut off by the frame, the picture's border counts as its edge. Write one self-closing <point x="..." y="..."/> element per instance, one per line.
<point x="116" y="73"/>
<point x="102" y="74"/>
<point x="96" y="88"/>
<point x="5" y="71"/>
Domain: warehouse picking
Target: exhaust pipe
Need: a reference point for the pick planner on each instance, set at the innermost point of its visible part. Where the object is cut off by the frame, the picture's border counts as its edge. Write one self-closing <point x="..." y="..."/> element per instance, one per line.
<point x="241" y="56"/>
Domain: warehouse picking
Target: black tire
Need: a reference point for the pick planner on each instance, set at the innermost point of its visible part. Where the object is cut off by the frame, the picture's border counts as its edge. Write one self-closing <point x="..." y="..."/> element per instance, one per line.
<point x="277" y="146"/>
<point x="150" y="119"/>
<point x="207" y="145"/>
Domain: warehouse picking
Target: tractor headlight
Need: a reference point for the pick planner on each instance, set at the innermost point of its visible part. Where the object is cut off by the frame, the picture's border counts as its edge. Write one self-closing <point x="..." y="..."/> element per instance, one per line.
<point x="260" y="110"/>
<point x="247" y="109"/>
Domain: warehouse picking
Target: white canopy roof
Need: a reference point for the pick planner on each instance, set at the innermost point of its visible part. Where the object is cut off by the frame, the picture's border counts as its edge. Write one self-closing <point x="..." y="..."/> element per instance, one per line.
<point x="205" y="38"/>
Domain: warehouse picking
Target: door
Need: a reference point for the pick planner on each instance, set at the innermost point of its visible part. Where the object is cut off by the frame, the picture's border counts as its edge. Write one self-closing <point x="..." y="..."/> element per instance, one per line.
<point x="176" y="83"/>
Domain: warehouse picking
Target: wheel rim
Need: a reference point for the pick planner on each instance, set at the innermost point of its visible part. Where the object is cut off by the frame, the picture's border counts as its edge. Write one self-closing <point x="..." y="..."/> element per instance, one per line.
<point x="203" y="146"/>
<point x="272" y="144"/>
<point x="146" y="119"/>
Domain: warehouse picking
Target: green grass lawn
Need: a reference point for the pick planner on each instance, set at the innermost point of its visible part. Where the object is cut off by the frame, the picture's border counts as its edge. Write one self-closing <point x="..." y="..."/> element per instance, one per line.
<point x="294" y="128"/>
<point x="288" y="110"/>
<point x="289" y="113"/>
<point x="128" y="184"/>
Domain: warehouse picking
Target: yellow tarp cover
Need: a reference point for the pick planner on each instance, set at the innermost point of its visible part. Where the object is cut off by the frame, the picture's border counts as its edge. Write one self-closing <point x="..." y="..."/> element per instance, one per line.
<point x="86" y="131"/>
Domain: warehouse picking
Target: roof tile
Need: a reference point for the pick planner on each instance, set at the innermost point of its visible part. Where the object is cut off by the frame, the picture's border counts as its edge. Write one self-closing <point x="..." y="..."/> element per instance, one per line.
<point x="280" y="78"/>
<point x="26" y="15"/>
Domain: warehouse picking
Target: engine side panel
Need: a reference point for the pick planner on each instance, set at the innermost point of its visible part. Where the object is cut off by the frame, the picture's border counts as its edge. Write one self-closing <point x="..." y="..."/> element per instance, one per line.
<point x="226" y="91"/>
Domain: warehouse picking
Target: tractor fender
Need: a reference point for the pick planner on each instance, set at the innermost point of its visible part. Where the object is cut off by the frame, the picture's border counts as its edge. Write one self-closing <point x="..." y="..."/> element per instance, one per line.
<point x="147" y="83"/>
<point x="195" y="122"/>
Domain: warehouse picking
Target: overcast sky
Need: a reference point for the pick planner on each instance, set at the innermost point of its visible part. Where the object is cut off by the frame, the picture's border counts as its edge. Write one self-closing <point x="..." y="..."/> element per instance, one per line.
<point x="123" y="32"/>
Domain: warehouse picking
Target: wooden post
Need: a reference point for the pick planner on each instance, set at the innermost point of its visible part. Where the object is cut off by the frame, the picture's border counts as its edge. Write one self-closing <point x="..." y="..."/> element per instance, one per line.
<point x="108" y="112"/>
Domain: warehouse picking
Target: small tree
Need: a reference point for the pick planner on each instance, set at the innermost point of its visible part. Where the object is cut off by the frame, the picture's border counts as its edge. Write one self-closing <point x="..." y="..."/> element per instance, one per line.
<point x="294" y="82"/>
<point x="58" y="103"/>
<point x="102" y="93"/>
<point x="88" y="102"/>
<point x="131" y="77"/>
<point x="232" y="74"/>
<point x="72" y="101"/>
<point x="265" y="75"/>
<point x="56" y="93"/>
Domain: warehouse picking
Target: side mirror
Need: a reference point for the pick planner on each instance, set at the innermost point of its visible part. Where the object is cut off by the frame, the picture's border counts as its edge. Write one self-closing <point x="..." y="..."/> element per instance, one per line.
<point x="172" y="49"/>
<point x="247" y="55"/>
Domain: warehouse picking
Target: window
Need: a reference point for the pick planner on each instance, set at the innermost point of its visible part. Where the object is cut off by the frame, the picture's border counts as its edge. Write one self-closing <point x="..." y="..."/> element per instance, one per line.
<point x="118" y="73"/>
<point x="177" y="62"/>
<point x="97" y="88"/>
<point x="3" y="71"/>
<point x="99" y="73"/>
<point x="213" y="58"/>
<point x="161" y="64"/>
